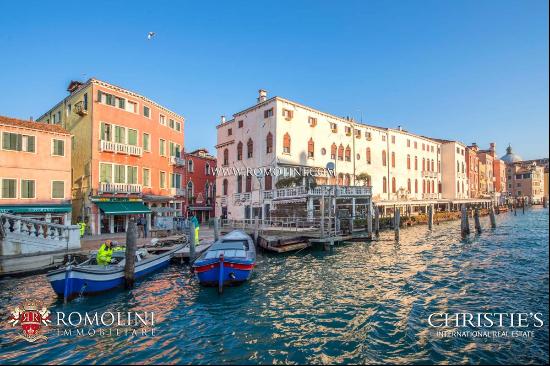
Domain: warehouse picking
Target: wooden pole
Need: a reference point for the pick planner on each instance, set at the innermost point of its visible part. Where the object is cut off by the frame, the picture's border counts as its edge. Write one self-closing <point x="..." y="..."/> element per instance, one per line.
<point x="322" y="208"/>
<point x="523" y="205"/>
<point x="492" y="217"/>
<point x="397" y="221"/>
<point x="369" y="221"/>
<point x="191" y="241"/>
<point x="376" y="222"/>
<point x="430" y="217"/>
<point x="131" y="244"/>
<point x="216" y="229"/>
<point x="465" y="225"/>
<point x="256" y="229"/>
<point x="476" y="219"/>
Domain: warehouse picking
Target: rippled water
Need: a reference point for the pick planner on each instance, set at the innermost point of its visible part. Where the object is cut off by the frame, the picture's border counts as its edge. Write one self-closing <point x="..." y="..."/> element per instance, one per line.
<point x="360" y="303"/>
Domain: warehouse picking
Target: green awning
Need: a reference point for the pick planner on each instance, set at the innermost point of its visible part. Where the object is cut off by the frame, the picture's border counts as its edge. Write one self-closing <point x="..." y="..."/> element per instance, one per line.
<point x="122" y="208"/>
<point x="34" y="208"/>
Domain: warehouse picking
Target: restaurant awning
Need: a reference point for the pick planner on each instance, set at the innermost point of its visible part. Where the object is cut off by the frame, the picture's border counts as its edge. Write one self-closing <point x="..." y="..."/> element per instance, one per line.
<point x="35" y="208"/>
<point x="123" y="208"/>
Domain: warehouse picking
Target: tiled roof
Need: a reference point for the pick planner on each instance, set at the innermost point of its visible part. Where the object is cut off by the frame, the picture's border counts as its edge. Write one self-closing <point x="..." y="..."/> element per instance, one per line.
<point x="32" y="125"/>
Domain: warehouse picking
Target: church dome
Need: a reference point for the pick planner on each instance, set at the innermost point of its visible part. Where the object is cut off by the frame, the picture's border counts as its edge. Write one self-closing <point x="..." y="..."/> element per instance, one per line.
<point x="510" y="157"/>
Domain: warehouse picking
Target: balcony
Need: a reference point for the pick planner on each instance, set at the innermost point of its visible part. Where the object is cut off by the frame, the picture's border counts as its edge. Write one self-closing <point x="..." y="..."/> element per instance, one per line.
<point x="223" y="201"/>
<point x="119" y="148"/>
<point x="119" y="188"/>
<point x="177" y="192"/>
<point x="429" y="196"/>
<point x="341" y="191"/>
<point x="79" y="109"/>
<point x="268" y="195"/>
<point x="241" y="197"/>
<point x="177" y="161"/>
<point x="429" y="174"/>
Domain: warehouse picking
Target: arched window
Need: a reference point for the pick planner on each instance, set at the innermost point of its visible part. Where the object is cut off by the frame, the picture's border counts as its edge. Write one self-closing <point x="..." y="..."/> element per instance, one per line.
<point x="190" y="166"/>
<point x="384" y="185"/>
<point x="249" y="183"/>
<point x="423" y="186"/>
<point x="341" y="152"/>
<point x="462" y="167"/>
<point x="368" y="155"/>
<point x="190" y="190"/>
<point x="433" y="187"/>
<point x="457" y="187"/>
<point x="433" y="166"/>
<point x="240" y="151"/>
<point x="225" y="157"/>
<point x="409" y="186"/>
<point x="393" y="185"/>
<point x="458" y="167"/>
<point x="249" y="148"/>
<point x="423" y="164"/>
<point x="268" y="182"/>
<point x="384" y="158"/>
<point x="347" y="180"/>
<point x="239" y="184"/>
<point x="206" y="190"/>
<point x="225" y="186"/>
<point x="393" y="159"/>
<point x="269" y="143"/>
<point x="408" y="161"/>
<point x="416" y="163"/>
<point x="207" y="169"/>
<point x="348" y="153"/>
<point x="340" y="179"/>
<point x="286" y="143"/>
<point x="416" y="186"/>
<point x="333" y="150"/>
<point x="310" y="148"/>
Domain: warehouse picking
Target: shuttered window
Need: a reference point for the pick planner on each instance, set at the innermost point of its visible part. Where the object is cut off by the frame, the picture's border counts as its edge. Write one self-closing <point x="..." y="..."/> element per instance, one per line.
<point x="58" y="189"/>
<point x="9" y="188"/>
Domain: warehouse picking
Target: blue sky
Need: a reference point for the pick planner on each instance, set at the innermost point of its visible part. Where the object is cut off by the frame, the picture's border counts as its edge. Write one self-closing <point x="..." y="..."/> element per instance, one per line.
<point x="475" y="71"/>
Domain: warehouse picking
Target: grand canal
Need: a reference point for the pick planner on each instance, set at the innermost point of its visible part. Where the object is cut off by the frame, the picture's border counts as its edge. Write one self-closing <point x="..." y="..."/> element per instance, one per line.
<point x="360" y="303"/>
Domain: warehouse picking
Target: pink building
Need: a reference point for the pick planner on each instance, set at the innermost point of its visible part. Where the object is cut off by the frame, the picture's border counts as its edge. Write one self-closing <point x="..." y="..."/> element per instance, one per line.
<point x="35" y="170"/>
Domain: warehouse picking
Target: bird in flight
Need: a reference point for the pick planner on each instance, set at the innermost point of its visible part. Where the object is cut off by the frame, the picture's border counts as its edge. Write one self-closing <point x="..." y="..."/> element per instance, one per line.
<point x="150" y="35"/>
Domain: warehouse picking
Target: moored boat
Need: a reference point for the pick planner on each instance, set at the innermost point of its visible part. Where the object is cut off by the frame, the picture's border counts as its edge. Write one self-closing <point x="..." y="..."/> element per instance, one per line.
<point x="228" y="261"/>
<point x="89" y="277"/>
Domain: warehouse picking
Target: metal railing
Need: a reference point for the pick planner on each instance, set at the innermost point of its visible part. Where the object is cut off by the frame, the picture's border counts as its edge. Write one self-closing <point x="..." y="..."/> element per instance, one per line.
<point x="177" y="191"/>
<point x="429" y="174"/>
<point x="175" y="160"/>
<point x="318" y="191"/>
<point x="241" y="197"/>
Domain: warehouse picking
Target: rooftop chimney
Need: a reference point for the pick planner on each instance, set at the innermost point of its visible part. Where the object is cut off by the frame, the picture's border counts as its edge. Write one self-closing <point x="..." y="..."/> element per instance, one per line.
<point x="262" y="95"/>
<point x="400" y="128"/>
<point x="222" y="119"/>
<point x="492" y="146"/>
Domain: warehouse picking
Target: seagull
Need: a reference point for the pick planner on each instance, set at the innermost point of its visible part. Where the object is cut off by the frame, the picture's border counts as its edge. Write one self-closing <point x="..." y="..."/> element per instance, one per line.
<point x="150" y="35"/>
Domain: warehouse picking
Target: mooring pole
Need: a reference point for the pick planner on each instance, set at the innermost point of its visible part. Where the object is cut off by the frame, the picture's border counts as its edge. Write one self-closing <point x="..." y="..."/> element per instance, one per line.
<point x="492" y="217"/>
<point x="523" y="205"/>
<point x="369" y="221"/>
<point x="476" y="219"/>
<point x="430" y="217"/>
<point x="322" y="209"/>
<point x="67" y="289"/>
<point x="191" y="241"/>
<point x="130" y="264"/>
<point x="221" y="274"/>
<point x="256" y="229"/>
<point x="376" y="222"/>
<point x="216" y="229"/>
<point x="397" y="221"/>
<point x="465" y="225"/>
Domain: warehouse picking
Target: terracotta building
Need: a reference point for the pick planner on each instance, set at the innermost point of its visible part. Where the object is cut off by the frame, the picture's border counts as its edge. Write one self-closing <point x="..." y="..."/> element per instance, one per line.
<point x="472" y="169"/>
<point x="128" y="156"/>
<point x="35" y="170"/>
<point x="200" y="184"/>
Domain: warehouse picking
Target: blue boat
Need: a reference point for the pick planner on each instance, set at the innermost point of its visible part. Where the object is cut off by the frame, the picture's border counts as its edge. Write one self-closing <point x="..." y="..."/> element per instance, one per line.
<point x="89" y="278"/>
<point x="228" y="261"/>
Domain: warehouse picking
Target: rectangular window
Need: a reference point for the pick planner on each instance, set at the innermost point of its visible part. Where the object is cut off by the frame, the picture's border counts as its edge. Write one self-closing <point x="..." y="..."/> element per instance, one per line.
<point x="268" y="113"/>
<point x="393" y="139"/>
<point x="162" y="120"/>
<point x="162" y="180"/>
<point x="162" y="147"/>
<point x="171" y="123"/>
<point x="9" y="188"/>
<point x="132" y="137"/>
<point x="58" y="148"/>
<point x="120" y="134"/>
<point x="229" y="132"/>
<point x="132" y="172"/>
<point x="85" y="101"/>
<point x="312" y="121"/>
<point x="106" y="132"/>
<point x="27" y="188"/>
<point x="146" y="177"/>
<point x="240" y="122"/>
<point x="178" y="126"/>
<point x="120" y="173"/>
<point x="131" y="107"/>
<point x="11" y="141"/>
<point x="146" y="111"/>
<point x="146" y="142"/>
<point x="288" y="114"/>
<point x="105" y="173"/>
<point x="58" y="189"/>
<point x="333" y="127"/>
<point x="348" y="131"/>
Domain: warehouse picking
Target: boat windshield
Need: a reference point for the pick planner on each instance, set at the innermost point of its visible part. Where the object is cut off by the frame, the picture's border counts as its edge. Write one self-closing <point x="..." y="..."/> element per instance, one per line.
<point x="227" y="253"/>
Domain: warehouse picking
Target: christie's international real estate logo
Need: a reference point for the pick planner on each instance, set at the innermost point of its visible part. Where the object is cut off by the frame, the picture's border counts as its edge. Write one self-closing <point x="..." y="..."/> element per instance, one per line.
<point x="30" y="316"/>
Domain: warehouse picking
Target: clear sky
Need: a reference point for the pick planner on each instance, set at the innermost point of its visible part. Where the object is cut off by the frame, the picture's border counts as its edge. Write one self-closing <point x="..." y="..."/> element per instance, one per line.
<point x="475" y="71"/>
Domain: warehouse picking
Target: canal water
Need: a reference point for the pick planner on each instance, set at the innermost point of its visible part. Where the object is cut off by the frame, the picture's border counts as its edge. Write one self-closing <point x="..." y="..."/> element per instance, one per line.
<point x="359" y="303"/>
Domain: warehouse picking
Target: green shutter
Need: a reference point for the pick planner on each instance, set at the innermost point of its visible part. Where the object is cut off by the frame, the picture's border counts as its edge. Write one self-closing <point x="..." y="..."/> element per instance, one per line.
<point x="30" y="144"/>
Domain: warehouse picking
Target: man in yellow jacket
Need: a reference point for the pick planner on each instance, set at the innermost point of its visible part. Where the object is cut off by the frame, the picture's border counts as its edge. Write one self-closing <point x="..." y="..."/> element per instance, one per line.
<point x="105" y="253"/>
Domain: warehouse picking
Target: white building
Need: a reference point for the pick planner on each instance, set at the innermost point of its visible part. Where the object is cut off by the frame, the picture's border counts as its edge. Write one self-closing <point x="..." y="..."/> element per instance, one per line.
<point x="277" y="132"/>
<point x="453" y="170"/>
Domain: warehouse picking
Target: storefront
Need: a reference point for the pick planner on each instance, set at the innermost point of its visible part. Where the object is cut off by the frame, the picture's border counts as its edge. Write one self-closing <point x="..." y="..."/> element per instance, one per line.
<point x="203" y="213"/>
<point x="115" y="213"/>
<point x="57" y="214"/>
